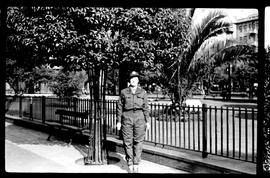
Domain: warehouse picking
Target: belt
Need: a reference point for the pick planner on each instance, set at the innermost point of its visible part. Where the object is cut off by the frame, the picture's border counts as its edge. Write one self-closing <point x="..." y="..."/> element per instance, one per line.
<point x="134" y="109"/>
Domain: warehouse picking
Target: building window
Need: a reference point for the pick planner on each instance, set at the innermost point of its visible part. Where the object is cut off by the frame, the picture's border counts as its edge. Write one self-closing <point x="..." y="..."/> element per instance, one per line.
<point x="253" y="25"/>
<point x="249" y="26"/>
<point x="245" y="28"/>
<point x="240" y="28"/>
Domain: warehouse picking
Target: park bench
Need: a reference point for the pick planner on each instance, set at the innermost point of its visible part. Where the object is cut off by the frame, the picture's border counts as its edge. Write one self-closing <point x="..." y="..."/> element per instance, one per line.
<point x="68" y="120"/>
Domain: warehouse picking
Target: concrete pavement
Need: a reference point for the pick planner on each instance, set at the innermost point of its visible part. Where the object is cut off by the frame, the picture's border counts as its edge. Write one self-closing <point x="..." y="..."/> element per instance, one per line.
<point x="27" y="150"/>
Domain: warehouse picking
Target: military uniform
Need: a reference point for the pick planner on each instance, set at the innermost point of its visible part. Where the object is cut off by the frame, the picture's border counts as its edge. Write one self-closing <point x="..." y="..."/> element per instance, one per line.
<point x="133" y="113"/>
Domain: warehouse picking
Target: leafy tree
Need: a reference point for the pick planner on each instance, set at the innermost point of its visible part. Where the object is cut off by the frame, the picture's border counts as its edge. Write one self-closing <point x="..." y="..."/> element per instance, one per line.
<point x="243" y="74"/>
<point x="67" y="84"/>
<point x="246" y="74"/>
<point x="153" y="38"/>
<point x="32" y="35"/>
<point x="93" y="38"/>
<point x="171" y="45"/>
<point x="112" y="81"/>
<point x="14" y="66"/>
<point x="91" y="49"/>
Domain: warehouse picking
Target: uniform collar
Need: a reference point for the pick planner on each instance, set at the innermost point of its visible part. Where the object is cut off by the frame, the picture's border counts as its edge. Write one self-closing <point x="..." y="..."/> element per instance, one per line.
<point x="138" y="90"/>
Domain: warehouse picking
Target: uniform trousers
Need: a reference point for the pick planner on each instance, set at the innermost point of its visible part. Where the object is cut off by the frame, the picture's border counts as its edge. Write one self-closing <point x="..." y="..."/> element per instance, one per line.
<point x="133" y="130"/>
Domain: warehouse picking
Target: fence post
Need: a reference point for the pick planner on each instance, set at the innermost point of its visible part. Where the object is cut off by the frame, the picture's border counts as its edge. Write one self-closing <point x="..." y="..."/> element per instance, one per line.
<point x="75" y="110"/>
<point x="204" y="120"/>
<point x="31" y="108"/>
<point x="43" y="111"/>
<point x="20" y="106"/>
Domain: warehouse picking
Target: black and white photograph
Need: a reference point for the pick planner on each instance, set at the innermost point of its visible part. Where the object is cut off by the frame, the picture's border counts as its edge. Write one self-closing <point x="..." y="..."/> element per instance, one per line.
<point x="136" y="90"/>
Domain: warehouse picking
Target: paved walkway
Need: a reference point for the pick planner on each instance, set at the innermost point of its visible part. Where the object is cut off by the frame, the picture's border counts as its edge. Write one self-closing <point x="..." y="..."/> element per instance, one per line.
<point x="28" y="150"/>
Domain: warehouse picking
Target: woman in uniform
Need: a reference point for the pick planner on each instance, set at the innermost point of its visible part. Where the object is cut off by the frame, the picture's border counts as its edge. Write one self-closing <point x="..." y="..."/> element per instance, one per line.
<point x="133" y="119"/>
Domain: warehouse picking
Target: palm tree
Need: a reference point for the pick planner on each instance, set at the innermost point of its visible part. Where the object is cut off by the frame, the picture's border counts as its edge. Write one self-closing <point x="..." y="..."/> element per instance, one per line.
<point x="205" y="49"/>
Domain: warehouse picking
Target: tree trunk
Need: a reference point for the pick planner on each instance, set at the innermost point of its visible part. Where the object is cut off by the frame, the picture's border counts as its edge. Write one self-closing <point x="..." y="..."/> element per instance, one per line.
<point x="15" y="87"/>
<point x="178" y="93"/>
<point x="30" y="88"/>
<point x="97" y="153"/>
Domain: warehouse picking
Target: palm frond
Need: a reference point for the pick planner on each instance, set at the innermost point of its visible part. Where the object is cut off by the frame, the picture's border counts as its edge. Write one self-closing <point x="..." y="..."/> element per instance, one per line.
<point x="173" y="64"/>
<point x="210" y="26"/>
<point x="173" y="75"/>
<point x="217" y="51"/>
<point x="209" y="48"/>
<point x="232" y="53"/>
<point x="190" y="12"/>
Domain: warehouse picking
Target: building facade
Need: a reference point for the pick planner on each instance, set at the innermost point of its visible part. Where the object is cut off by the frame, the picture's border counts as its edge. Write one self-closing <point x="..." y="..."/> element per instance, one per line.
<point x="246" y="30"/>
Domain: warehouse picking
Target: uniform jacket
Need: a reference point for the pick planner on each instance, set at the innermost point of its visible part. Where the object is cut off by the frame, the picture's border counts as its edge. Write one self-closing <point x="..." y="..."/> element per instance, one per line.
<point x="129" y="101"/>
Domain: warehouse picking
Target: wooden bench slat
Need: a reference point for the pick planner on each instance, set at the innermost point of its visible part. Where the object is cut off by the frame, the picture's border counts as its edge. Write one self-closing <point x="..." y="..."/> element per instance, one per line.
<point x="53" y="123"/>
<point x="72" y="127"/>
<point x="63" y="116"/>
<point x="72" y="113"/>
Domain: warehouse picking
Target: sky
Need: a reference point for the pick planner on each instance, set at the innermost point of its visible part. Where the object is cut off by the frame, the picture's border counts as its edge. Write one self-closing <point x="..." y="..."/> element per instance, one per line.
<point x="232" y="13"/>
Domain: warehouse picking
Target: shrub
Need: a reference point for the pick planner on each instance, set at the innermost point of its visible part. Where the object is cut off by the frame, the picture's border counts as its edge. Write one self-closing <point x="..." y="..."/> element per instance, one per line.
<point x="67" y="84"/>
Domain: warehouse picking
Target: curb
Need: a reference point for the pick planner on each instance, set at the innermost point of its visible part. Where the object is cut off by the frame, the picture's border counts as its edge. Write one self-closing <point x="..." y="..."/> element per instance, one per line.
<point x="170" y="158"/>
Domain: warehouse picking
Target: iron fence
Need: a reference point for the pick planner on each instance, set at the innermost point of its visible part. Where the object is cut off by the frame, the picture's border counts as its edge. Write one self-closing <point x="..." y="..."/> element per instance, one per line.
<point x="224" y="131"/>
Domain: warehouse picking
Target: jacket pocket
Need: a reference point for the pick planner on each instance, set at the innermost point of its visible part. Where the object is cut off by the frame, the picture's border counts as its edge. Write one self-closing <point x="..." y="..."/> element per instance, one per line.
<point x="139" y="100"/>
<point x="128" y="102"/>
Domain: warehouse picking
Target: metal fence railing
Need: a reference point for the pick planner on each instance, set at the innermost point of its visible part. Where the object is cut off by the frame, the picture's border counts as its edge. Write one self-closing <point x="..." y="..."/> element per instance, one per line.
<point x="225" y="131"/>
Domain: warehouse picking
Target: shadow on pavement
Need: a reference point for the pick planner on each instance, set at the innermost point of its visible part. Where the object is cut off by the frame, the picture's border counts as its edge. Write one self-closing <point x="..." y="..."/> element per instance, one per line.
<point x="113" y="158"/>
<point x="22" y="135"/>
